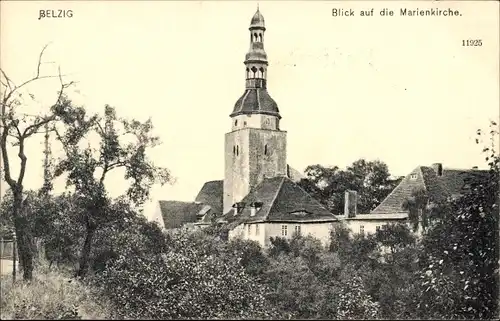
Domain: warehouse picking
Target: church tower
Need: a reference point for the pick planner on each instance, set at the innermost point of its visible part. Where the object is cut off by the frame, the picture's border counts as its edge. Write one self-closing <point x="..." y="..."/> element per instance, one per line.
<point x="256" y="147"/>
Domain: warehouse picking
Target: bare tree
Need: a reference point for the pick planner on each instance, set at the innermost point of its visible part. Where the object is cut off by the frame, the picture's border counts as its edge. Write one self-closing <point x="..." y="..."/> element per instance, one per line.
<point x="17" y="127"/>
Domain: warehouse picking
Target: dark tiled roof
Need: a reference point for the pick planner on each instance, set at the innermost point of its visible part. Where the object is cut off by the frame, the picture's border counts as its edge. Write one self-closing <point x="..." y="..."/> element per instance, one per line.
<point x="255" y="101"/>
<point x="211" y="194"/>
<point x="452" y="182"/>
<point x="282" y="200"/>
<point x="176" y="213"/>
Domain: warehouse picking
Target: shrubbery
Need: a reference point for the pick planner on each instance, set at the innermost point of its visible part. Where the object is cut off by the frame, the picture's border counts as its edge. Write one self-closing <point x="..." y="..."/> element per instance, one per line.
<point x="52" y="296"/>
<point x="184" y="282"/>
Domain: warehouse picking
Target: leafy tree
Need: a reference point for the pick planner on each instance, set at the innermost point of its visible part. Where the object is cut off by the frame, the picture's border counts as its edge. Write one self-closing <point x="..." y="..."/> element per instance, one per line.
<point x="294" y="287"/>
<point x="354" y="301"/>
<point x="459" y="274"/>
<point x="183" y="283"/>
<point x="17" y="129"/>
<point x="371" y="179"/>
<point x="122" y="145"/>
<point x="395" y="237"/>
<point x="250" y="255"/>
<point x="417" y="206"/>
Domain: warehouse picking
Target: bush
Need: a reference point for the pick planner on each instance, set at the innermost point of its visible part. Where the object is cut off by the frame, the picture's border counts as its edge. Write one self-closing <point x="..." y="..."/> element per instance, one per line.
<point x="184" y="282"/>
<point x="51" y="296"/>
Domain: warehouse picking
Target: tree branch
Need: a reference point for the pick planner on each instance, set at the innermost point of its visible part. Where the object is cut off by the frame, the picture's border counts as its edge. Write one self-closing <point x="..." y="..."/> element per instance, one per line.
<point x="31" y="129"/>
<point x="23" y="158"/>
<point x="5" y="157"/>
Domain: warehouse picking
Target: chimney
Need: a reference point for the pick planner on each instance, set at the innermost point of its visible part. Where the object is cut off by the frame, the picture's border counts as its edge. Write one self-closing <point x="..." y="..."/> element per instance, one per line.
<point x="438" y="168"/>
<point x="351" y="203"/>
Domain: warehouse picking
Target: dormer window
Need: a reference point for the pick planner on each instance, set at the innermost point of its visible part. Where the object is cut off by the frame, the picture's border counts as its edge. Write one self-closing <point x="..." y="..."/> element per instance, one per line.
<point x="413" y="176"/>
<point x="238" y="208"/>
<point x="255" y="207"/>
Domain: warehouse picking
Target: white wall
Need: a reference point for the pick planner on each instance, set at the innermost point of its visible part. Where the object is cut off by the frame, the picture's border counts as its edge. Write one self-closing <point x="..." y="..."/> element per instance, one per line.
<point x="369" y="226"/>
<point x="320" y="231"/>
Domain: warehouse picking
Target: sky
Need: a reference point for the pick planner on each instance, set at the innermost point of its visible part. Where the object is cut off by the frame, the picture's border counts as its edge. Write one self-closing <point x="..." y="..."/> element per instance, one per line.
<point x="402" y="90"/>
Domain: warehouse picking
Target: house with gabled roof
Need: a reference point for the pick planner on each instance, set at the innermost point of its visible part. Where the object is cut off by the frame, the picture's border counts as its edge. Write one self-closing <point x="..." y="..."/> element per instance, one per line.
<point x="278" y="207"/>
<point x="259" y="197"/>
<point x="438" y="183"/>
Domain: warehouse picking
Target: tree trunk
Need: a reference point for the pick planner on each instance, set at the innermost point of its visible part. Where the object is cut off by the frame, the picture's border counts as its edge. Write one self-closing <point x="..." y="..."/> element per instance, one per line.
<point x="84" y="257"/>
<point x="23" y="237"/>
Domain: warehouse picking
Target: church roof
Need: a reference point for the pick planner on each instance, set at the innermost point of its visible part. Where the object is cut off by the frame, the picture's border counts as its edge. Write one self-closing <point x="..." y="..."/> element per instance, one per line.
<point x="256" y="101"/>
<point x="452" y="182"/>
<point x="281" y="200"/>
<point x="177" y="213"/>
<point x="211" y="194"/>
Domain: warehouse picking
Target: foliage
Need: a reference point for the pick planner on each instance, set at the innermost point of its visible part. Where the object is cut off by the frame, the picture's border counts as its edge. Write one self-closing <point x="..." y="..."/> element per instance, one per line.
<point x="353" y="300"/>
<point x="250" y="255"/>
<point x="371" y="180"/>
<point x="395" y="237"/>
<point x="417" y="206"/>
<point x="51" y="296"/>
<point x="459" y="275"/>
<point x="122" y="145"/>
<point x="183" y="283"/>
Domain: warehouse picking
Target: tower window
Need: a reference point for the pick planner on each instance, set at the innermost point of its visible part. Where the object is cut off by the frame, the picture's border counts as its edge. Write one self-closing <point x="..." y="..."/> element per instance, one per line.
<point x="265" y="149"/>
<point x="237" y="150"/>
<point x="254" y="70"/>
<point x="260" y="37"/>
<point x="236" y="122"/>
<point x="255" y="37"/>
<point x="261" y="72"/>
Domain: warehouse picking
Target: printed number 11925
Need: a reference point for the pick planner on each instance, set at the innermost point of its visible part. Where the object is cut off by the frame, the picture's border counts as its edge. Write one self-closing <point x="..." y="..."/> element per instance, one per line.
<point x="472" y="43"/>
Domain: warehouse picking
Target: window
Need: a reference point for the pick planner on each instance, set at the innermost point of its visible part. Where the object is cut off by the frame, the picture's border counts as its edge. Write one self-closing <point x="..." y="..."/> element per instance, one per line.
<point x="257" y="229"/>
<point x="244" y="123"/>
<point x="234" y="150"/>
<point x="297" y="229"/>
<point x="413" y="176"/>
<point x="265" y="149"/>
<point x="362" y="229"/>
<point x="236" y="122"/>
<point x="284" y="230"/>
<point x="249" y="229"/>
<point x="377" y="228"/>
<point x="237" y="150"/>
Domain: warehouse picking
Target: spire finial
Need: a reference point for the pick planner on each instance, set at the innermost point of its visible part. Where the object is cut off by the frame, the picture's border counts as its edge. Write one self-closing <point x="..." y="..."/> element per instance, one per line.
<point x="257" y="6"/>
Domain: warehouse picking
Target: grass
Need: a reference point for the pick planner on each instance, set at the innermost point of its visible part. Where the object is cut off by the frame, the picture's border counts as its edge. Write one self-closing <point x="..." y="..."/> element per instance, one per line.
<point x="51" y="294"/>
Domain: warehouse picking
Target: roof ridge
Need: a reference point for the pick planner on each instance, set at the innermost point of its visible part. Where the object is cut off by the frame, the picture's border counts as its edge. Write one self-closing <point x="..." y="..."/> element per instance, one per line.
<point x="258" y="99"/>
<point x="243" y="100"/>
<point x="309" y="195"/>
<point x="394" y="189"/>
<point x="275" y="197"/>
<point x="424" y="178"/>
